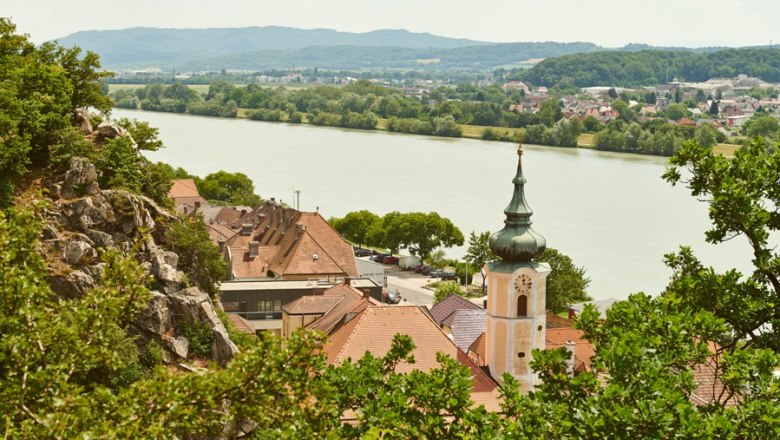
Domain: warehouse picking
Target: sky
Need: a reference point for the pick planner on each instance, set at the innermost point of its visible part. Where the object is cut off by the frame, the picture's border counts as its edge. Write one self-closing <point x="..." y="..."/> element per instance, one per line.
<point x="608" y="23"/>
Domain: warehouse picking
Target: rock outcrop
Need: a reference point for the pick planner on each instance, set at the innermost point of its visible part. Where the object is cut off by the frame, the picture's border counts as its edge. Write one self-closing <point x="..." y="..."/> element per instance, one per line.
<point x="83" y="220"/>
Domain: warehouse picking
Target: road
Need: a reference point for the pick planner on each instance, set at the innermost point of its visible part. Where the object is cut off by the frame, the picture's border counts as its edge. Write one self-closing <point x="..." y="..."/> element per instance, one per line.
<point x="410" y="287"/>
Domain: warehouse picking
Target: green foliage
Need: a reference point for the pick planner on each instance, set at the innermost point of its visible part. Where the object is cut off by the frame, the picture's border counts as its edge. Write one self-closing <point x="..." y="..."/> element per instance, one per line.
<point x="676" y="112"/>
<point x="743" y="199"/>
<point x="478" y="253"/>
<point x="40" y="87"/>
<point x="418" y="232"/>
<point x="550" y="112"/>
<point x="356" y="226"/>
<point x="200" y="337"/>
<point x="120" y="165"/>
<point x="447" y="288"/>
<point x="764" y="126"/>
<point x="229" y="188"/>
<point x="566" y="284"/>
<point x="649" y="67"/>
<point x="199" y="258"/>
<point x="144" y="135"/>
<point x="244" y="341"/>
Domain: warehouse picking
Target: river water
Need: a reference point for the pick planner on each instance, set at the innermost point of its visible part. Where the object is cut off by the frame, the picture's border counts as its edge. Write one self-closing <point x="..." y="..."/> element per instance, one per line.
<point x="612" y="213"/>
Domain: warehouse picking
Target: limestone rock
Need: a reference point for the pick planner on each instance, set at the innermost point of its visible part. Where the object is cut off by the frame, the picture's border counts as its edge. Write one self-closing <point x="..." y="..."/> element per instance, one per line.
<point x="72" y="285"/>
<point x="193" y="305"/>
<point x="100" y="238"/>
<point x="179" y="346"/>
<point x="165" y="273"/>
<point x="84" y="121"/>
<point x="79" y="179"/>
<point x="111" y="130"/>
<point x="88" y="212"/>
<point x="156" y="318"/>
<point x="77" y="252"/>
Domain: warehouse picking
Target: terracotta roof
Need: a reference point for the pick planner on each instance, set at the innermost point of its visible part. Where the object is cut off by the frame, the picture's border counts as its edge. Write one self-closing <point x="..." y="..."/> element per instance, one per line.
<point x="444" y="308"/>
<point x="373" y="331"/>
<point x="292" y="244"/>
<point x="241" y="324"/>
<point x="477" y="350"/>
<point x="351" y="303"/>
<point x="311" y="305"/>
<point x="183" y="188"/>
<point x="466" y="327"/>
<point x="709" y="385"/>
<point x="219" y="233"/>
<point x="583" y="349"/>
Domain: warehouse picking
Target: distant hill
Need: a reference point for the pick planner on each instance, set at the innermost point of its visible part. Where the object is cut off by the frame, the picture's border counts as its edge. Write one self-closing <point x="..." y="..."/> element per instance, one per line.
<point x="139" y="46"/>
<point x="650" y="67"/>
<point x="257" y="48"/>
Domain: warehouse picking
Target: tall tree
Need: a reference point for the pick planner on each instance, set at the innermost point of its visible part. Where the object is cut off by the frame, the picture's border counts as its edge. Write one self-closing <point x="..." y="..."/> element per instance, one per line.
<point x="232" y="188"/>
<point x="479" y="253"/>
<point x="418" y="232"/>
<point x="743" y="194"/>
<point x="356" y="226"/>
<point x="566" y="284"/>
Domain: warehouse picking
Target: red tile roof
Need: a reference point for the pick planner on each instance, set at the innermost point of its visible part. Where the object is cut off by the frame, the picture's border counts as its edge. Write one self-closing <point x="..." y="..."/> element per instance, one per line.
<point x="183" y="188"/>
<point x="241" y="324"/>
<point x="293" y="245"/>
<point x="583" y="349"/>
<point x="373" y="331"/>
<point x="311" y="305"/>
<point x="351" y="302"/>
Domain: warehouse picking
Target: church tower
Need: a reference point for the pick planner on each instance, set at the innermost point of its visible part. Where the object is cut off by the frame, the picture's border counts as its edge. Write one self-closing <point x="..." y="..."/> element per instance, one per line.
<point x="516" y="319"/>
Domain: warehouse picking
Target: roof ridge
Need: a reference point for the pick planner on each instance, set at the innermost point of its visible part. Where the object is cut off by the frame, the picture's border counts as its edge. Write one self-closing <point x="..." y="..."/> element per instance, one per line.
<point x="323" y="249"/>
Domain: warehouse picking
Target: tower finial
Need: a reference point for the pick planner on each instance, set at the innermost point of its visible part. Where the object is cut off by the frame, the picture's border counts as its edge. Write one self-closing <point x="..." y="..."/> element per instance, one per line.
<point x="517" y="242"/>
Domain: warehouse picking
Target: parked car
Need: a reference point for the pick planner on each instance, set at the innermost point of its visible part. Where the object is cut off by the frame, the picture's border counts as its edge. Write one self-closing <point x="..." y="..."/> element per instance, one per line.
<point x="379" y="258"/>
<point x="390" y="260"/>
<point x="447" y="275"/>
<point x="436" y="273"/>
<point x="362" y="252"/>
<point x="423" y="269"/>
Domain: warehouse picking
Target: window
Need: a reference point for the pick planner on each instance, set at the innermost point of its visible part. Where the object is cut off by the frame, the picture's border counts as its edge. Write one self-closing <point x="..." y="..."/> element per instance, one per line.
<point x="522" y="305"/>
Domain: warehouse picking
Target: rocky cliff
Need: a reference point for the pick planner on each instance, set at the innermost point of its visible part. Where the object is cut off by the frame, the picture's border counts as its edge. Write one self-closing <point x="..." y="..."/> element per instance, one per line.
<point x="82" y="219"/>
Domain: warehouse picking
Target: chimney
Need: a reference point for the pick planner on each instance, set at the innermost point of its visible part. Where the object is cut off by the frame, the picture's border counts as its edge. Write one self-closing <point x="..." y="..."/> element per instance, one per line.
<point x="348" y="281"/>
<point x="246" y="229"/>
<point x="254" y="249"/>
<point x="484" y="304"/>
<point x="221" y="243"/>
<point x="197" y="204"/>
<point x="285" y="213"/>
<point x="570" y="363"/>
<point x="300" y="228"/>
<point x="243" y="212"/>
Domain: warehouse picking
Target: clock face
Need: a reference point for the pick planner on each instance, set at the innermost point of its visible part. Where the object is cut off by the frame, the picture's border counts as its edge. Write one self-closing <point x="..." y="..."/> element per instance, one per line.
<point x="523" y="285"/>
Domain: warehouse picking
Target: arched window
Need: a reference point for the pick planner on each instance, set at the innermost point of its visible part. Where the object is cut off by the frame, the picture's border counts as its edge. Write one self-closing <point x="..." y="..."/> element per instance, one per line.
<point x="522" y="305"/>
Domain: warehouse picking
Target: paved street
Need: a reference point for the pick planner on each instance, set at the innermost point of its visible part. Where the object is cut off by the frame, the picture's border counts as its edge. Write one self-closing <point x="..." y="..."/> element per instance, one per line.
<point x="409" y="284"/>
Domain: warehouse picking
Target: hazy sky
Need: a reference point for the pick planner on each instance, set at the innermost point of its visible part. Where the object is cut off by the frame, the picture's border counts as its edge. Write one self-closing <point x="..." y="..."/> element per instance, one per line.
<point x="604" y="22"/>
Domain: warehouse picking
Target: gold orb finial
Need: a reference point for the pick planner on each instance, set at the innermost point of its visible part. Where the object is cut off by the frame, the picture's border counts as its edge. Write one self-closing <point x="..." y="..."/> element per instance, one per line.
<point x="520" y="149"/>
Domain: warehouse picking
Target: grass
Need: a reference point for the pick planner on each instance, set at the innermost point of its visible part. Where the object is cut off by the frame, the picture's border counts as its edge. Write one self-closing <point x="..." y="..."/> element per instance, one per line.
<point x="586" y="140"/>
<point x="725" y="149"/>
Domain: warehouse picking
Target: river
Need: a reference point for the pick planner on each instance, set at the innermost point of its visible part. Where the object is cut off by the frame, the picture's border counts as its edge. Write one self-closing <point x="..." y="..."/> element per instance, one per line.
<point x="612" y="213"/>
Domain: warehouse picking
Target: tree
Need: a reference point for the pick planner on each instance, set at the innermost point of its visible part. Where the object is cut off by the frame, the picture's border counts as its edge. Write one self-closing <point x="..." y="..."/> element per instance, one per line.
<point x="550" y="112"/>
<point x="199" y="258"/>
<point x="230" y="188"/>
<point x="676" y="112"/>
<point x="566" y="284"/>
<point x="479" y="253"/>
<point x="419" y="232"/>
<point x="706" y="136"/>
<point x="765" y="126"/>
<point x="356" y="226"/>
<point x="445" y="289"/>
<point x="743" y="197"/>
<point x="591" y="124"/>
<point x="626" y="113"/>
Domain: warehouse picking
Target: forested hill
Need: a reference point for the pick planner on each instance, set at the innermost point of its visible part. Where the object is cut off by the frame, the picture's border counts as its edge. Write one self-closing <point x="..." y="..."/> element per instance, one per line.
<point x="650" y="67"/>
<point x="150" y="45"/>
<point x="273" y="47"/>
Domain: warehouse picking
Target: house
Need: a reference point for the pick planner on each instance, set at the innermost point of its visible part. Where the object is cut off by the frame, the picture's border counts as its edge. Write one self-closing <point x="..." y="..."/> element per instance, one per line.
<point x="336" y="306"/>
<point x="185" y="195"/>
<point x="444" y="310"/>
<point x="276" y="242"/>
<point x="373" y="330"/>
<point x="262" y="302"/>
